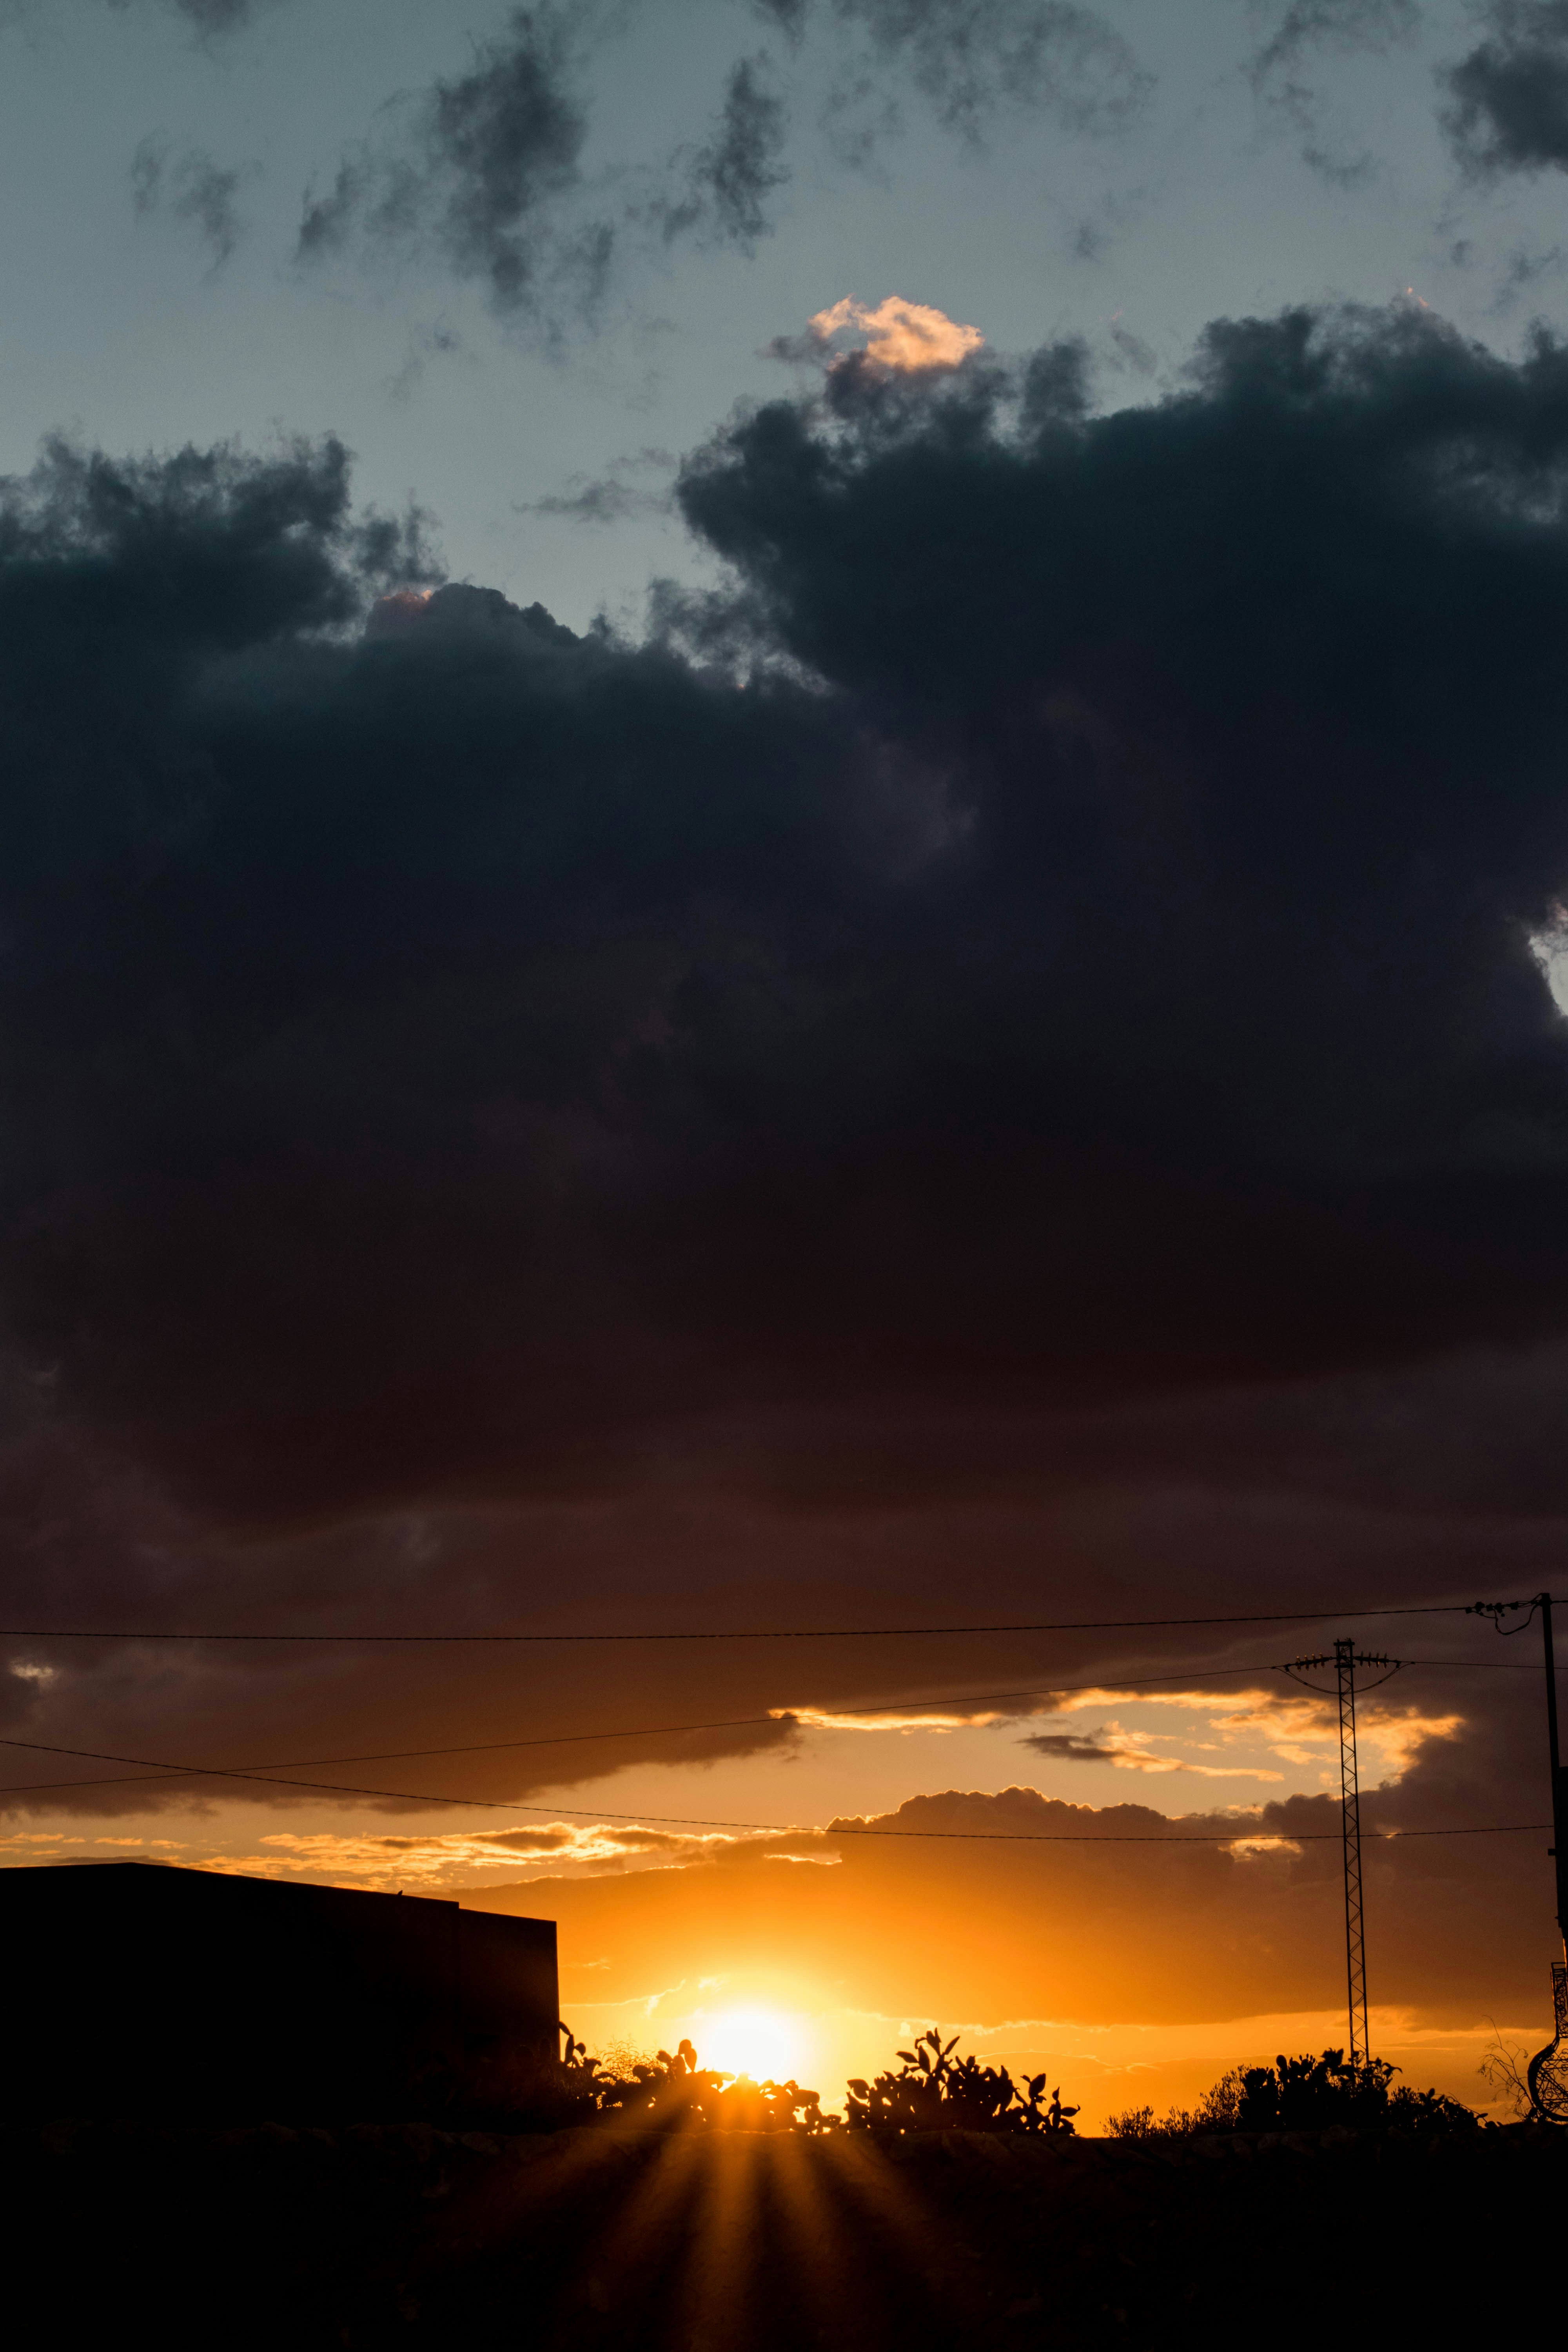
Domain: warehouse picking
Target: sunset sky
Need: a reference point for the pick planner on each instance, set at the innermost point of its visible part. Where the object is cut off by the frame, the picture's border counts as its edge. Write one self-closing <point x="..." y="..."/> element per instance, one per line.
<point x="784" y="851"/>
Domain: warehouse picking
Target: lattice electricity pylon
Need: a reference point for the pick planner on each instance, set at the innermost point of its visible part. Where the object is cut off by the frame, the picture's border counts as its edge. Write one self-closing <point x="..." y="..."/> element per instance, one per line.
<point x="1548" y="2071"/>
<point x="1346" y="1660"/>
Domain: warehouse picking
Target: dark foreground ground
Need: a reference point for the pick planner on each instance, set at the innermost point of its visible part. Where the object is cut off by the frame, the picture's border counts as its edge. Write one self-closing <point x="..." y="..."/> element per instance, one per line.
<point x="743" y="2243"/>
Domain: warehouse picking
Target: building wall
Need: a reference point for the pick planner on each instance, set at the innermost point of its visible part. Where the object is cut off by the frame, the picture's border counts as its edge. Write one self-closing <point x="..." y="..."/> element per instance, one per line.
<point x="146" y="1989"/>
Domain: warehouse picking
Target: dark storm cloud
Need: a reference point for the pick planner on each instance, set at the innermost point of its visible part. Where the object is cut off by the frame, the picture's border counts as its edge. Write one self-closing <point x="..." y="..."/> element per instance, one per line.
<point x="1507" y="99"/>
<point x="482" y="172"/>
<point x="191" y="187"/>
<point x="1091" y="950"/>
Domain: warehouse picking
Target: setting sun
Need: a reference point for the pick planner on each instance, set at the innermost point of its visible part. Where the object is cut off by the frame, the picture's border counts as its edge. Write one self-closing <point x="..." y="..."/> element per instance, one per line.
<point x="761" y="2043"/>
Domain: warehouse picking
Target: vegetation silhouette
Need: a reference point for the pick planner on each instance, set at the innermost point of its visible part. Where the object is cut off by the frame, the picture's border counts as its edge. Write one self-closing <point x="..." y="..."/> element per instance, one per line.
<point x="675" y="2091"/>
<point x="932" y="2091"/>
<point x="1302" y="2093"/>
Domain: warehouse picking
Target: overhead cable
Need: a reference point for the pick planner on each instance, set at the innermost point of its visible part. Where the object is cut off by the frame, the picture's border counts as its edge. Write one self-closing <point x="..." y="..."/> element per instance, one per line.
<point x="770" y="1634"/>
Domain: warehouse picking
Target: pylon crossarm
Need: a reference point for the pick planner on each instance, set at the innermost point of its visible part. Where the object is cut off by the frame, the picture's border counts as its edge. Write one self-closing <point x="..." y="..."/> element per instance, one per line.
<point x="1295" y="1668"/>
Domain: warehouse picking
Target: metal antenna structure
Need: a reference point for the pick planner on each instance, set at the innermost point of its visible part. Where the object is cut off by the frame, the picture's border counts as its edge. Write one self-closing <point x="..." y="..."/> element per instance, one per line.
<point x="1347" y="1661"/>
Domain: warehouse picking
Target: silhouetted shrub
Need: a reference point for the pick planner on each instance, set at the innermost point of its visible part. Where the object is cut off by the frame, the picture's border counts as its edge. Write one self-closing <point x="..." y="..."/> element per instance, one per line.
<point x="1216" y="2111"/>
<point x="675" y="2091"/>
<point x="1303" y="2093"/>
<point x="934" y="2092"/>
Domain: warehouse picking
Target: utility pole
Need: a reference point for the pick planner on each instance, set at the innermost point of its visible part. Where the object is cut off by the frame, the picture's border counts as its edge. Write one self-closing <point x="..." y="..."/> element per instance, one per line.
<point x="1547" y="2073"/>
<point x="1559" y="1827"/>
<point x="1345" y="1660"/>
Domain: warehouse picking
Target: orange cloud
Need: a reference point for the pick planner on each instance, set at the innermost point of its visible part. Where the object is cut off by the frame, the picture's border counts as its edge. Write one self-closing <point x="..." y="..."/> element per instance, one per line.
<point x="905" y="337"/>
<point x="1297" y="1726"/>
<point x="914" y="1717"/>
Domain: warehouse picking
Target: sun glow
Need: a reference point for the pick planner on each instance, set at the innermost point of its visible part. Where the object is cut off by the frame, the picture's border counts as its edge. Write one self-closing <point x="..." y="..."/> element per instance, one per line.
<point x="761" y="2043"/>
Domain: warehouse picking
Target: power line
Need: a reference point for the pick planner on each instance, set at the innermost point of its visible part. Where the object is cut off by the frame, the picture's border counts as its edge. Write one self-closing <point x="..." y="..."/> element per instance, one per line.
<point x="771" y="1634"/>
<point x="766" y="1829"/>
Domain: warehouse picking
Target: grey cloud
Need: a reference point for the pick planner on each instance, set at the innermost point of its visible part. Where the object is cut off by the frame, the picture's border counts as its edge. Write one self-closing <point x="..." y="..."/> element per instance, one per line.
<point x="213" y="17"/>
<point x="1525" y="270"/>
<point x="611" y="497"/>
<point x="971" y="57"/>
<point x="484" y="172"/>
<point x="1305" y="26"/>
<point x="1281" y="76"/>
<point x="1132" y="351"/>
<point x="731" y="179"/>
<point x="1095" y="1747"/>
<point x="1508" y="108"/>
<point x="607" y="499"/>
<point x="216" y="15"/>
<point x="506" y="139"/>
<point x="1090" y="1748"/>
<point x="192" y="187"/>
<point x="489" y="161"/>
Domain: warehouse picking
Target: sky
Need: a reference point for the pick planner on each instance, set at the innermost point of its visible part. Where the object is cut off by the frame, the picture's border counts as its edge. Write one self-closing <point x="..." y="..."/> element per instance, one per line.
<point x="784" y="850"/>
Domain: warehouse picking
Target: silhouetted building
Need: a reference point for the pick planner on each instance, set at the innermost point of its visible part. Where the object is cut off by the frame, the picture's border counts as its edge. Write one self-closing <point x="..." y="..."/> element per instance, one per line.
<point x="132" y="1988"/>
